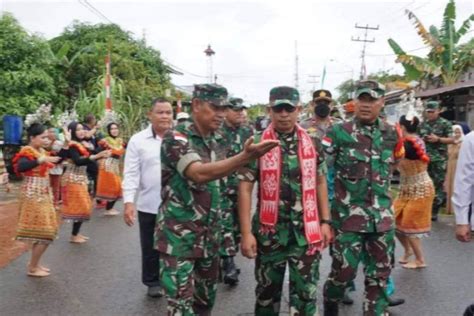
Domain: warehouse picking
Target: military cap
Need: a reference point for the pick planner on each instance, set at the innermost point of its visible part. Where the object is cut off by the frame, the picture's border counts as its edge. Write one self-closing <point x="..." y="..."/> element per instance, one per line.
<point x="214" y="93"/>
<point x="373" y="88"/>
<point x="284" y="95"/>
<point x="432" y="105"/>
<point x="236" y="103"/>
<point x="322" y="95"/>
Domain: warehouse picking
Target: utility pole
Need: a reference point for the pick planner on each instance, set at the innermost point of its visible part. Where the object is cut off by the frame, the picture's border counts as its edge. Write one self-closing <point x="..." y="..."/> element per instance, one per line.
<point x="296" y="65"/>
<point x="314" y="80"/>
<point x="363" y="70"/>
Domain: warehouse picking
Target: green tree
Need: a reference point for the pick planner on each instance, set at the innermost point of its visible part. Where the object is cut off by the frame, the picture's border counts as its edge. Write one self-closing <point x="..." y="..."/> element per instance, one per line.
<point x="82" y="49"/>
<point x="448" y="58"/>
<point x="25" y="69"/>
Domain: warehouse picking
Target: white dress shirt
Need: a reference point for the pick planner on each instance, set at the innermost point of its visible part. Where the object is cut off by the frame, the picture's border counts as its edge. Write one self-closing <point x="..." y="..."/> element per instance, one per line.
<point x="142" y="171"/>
<point x="463" y="192"/>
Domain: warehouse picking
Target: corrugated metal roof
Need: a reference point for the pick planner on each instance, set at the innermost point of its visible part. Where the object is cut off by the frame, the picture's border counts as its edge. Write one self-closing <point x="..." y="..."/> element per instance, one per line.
<point x="456" y="86"/>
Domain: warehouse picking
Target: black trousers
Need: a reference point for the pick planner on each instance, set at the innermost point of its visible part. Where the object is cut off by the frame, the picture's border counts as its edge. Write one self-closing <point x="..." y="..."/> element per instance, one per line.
<point x="150" y="256"/>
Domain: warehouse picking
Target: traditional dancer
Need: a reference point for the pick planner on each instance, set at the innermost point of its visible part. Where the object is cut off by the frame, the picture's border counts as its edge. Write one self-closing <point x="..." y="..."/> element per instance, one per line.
<point x="413" y="204"/>
<point x="77" y="205"/>
<point x="37" y="221"/>
<point x="109" y="183"/>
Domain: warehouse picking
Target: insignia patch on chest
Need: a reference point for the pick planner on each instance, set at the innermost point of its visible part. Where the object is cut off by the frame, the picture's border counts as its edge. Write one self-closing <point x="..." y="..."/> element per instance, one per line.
<point x="326" y="141"/>
<point x="181" y="137"/>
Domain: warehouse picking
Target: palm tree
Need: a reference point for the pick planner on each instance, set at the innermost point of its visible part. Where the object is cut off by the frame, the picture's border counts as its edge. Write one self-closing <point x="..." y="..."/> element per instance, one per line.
<point x="447" y="59"/>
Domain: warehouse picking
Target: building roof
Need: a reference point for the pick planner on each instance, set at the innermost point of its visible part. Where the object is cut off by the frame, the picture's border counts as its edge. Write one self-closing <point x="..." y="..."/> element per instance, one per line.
<point x="453" y="87"/>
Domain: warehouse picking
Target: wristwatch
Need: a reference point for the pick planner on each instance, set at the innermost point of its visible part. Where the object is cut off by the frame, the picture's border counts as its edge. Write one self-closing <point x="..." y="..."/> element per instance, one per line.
<point x="326" y="221"/>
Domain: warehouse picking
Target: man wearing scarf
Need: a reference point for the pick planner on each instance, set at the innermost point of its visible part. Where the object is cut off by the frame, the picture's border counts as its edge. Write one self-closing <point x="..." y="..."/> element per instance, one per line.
<point x="291" y="224"/>
<point x="364" y="150"/>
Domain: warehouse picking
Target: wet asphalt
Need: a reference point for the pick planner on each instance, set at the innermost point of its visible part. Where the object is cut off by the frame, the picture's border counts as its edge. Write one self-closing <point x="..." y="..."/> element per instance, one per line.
<point x="102" y="277"/>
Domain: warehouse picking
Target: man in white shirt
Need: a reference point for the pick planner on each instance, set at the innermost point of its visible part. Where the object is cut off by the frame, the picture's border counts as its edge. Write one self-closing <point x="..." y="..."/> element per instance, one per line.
<point x="142" y="182"/>
<point x="463" y="195"/>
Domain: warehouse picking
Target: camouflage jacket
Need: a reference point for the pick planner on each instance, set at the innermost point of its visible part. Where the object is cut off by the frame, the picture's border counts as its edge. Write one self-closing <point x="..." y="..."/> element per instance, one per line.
<point x="290" y="225"/>
<point x="318" y="130"/>
<point x="363" y="157"/>
<point x="188" y="218"/>
<point x="442" y="128"/>
<point x="235" y="139"/>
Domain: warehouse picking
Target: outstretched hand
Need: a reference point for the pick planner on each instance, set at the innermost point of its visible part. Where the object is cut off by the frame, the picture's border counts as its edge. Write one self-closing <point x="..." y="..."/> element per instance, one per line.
<point x="255" y="151"/>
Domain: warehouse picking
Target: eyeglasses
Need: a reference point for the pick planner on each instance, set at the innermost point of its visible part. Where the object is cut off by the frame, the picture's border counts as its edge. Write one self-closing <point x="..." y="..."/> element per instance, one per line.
<point x="284" y="107"/>
<point x="236" y="109"/>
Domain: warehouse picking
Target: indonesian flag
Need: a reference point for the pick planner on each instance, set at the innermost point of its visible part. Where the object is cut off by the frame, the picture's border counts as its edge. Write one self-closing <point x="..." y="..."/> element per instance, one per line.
<point x="108" y="99"/>
<point x="327" y="141"/>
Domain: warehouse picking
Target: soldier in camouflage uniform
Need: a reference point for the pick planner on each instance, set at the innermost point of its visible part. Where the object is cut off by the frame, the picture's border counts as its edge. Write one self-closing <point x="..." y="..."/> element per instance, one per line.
<point x="287" y="241"/>
<point x="318" y="126"/>
<point x="235" y="134"/>
<point x="437" y="133"/>
<point x="188" y="222"/>
<point x="364" y="150"/>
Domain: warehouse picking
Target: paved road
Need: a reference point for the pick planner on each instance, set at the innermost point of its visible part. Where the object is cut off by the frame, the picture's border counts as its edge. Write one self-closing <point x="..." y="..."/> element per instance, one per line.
<point x="103" y="278"/>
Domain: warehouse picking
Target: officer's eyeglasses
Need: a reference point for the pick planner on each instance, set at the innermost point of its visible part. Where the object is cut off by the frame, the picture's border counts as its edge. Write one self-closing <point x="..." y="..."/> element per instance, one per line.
<point x="284" y="107"/>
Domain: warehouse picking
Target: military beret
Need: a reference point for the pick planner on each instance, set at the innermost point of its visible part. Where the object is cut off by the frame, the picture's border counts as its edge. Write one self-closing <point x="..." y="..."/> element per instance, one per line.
<point x="373" y="88"/>
<point x="284" y="95"/>
<point x="214" y="93"/>
<point x="322" y="95"/>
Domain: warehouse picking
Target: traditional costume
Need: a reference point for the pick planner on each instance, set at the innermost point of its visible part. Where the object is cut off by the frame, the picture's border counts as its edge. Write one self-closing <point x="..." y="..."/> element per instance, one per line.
<point x="109" y="184"/>
<point x="37" y="217"/>
<point x="413" y="204"/>
<point x="77" y="205"/>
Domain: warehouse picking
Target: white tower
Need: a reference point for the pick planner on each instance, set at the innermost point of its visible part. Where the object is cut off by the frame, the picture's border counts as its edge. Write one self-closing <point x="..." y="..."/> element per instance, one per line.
<point x="209" y="52"/>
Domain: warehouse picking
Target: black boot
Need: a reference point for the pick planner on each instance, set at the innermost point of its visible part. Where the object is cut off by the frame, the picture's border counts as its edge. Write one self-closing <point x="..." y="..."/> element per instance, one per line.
<point x="395" y="301"/>
<point x="347" y="300"/>
<point x="331" y="309"/>
<point x="229" y="271"/>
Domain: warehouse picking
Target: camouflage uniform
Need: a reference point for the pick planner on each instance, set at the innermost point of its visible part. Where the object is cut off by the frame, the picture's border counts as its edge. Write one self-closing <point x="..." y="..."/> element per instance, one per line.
<point x="362" y="210"/>
<point x="288" y="243"/>
<point x="188" y="222"/>
<point x="235" y="139"/>
<point x="319" y="131"/>
<point x="438" y="153"/>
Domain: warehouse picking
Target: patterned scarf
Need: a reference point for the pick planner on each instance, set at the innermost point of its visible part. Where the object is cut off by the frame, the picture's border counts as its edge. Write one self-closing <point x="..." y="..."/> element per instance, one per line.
<point x="270" y="173"/>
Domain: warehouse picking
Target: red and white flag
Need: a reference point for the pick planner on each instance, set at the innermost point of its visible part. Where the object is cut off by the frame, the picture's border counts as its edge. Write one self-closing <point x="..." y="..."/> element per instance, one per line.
<point x="108" y="98"/>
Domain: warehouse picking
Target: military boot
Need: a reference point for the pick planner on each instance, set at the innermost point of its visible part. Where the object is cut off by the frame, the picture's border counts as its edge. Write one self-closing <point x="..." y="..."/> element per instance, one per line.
<point x="229" y="271"/>
<point x="331" y="309"/>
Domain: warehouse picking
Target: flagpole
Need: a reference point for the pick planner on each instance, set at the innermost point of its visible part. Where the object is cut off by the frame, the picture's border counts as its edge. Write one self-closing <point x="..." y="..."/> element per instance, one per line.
<point x="108" y="99"/>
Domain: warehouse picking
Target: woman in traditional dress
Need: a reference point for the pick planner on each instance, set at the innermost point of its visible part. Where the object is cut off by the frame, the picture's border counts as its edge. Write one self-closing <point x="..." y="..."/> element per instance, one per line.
<point x="37" y="221"/>
<point x="413" y="204"/>
<point x="109" y="183"/>
<point x="77" y="204"/>
<point x="453" y="154"/>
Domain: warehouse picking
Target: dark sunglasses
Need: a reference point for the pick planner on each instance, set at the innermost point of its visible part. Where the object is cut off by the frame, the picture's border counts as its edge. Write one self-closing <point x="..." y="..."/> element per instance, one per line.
<point x="284" y="107"/>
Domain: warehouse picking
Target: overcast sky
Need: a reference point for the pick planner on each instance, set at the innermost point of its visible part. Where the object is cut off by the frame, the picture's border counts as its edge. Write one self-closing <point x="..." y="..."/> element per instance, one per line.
<point x="254" y="40"/>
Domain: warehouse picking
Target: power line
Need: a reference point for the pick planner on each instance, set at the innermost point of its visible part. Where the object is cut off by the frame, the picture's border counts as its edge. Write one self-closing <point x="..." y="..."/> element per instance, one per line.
<point x="365" y="41"/>
<point x="94" y="10"/>
<point x="386" y="55"/>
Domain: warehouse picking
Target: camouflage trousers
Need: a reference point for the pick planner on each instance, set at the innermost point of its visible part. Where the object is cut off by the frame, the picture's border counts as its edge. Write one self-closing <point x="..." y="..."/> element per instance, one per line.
<point x="437" y="172"/>
<point x="375" y="250"/>
<point x="270" y="267"/>
<point x="230" y="227"/>
<point x="190" y="284"/>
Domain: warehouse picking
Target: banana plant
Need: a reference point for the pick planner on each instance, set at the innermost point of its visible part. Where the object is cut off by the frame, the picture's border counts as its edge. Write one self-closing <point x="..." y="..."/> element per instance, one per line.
<point x="447" y="58"/>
